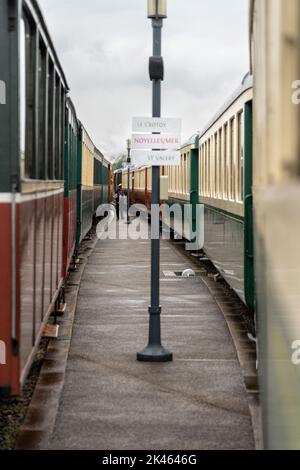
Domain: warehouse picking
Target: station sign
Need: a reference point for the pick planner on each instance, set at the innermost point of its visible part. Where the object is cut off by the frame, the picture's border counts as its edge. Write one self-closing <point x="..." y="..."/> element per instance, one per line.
<point x="155" y="158"/>
<point x="156" y="141"/>
<point x="162" y="125"/>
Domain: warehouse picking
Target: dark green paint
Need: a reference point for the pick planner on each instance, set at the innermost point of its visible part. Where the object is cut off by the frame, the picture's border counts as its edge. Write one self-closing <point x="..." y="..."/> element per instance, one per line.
<point x="194" y="183"/>
<point x="70" y="150"/>
<point x="9" y="112"/>
<point x="227" y="214"/>
<point x="79" y="184"/>
<point x="248" y="236"/>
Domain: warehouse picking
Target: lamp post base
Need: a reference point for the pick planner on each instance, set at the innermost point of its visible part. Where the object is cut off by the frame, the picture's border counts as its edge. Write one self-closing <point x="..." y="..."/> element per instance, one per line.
<point x="155" y="353"/>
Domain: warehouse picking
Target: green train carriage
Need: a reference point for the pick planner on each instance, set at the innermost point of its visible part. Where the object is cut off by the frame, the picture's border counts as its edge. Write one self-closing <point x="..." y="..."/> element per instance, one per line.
<point x="215" y="174"/>
<point x="225" y="190"/>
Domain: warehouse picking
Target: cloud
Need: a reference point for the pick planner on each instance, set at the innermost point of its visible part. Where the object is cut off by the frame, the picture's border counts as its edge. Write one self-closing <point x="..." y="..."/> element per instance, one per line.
<point x="104" y="48"/>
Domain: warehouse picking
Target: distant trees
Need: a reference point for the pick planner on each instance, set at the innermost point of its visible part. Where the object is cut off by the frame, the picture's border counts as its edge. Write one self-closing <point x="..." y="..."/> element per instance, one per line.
<point x="120" y="159"/>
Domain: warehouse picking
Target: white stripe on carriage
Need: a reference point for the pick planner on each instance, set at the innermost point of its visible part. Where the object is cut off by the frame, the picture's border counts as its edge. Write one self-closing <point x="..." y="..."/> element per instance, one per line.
<point x="7" y="197"/>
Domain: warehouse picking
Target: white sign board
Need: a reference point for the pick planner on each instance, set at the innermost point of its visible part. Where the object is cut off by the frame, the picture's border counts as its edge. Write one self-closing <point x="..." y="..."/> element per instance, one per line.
<point x="163" y="125"/>
<point x="155" y="158"/>
<point x="156" y="141"/>
<point x="125" y="166"/>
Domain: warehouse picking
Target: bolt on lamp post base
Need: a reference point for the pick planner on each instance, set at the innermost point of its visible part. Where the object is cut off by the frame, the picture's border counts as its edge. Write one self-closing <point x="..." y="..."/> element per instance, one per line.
<point x="155" y="353"/>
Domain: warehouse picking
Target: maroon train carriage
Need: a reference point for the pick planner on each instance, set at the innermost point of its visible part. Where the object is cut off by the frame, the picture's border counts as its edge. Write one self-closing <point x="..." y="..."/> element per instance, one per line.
<point x="32" y="121"/>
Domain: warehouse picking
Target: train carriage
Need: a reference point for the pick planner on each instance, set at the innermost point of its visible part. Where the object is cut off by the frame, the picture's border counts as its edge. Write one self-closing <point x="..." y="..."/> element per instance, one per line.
<point x="274" y="40"/>
<point x="117" y="178"/>
<point x="225" y="190"/>
<point x="105" y="185"/>
<point x="102" y="178"/>
<point x="98" y="179"/>
<point x="142" y="186"/>
<point x="183" y="184"/>
<point x="70" y="175"/>
<point x="85" y="184"/>
<point x="47" y="185"/>
<point x="32" y="120"/>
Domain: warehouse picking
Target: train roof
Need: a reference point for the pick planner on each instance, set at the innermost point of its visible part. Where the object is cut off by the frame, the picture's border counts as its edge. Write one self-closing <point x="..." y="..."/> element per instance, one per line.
<point x="36" y="11"/>
<point x="246" y="84"/>
<point x="71" y="105"/>
<point x="191" y="142"/>
<point x="99" y="154"/>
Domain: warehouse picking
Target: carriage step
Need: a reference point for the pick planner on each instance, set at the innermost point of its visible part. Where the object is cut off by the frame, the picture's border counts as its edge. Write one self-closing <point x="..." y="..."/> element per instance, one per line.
<point x="59" y="312"/>
<point x="51" y="331"/>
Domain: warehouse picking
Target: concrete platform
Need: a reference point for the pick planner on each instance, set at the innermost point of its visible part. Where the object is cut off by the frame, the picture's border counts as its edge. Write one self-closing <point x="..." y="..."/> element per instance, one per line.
<point x="111" y="401"/>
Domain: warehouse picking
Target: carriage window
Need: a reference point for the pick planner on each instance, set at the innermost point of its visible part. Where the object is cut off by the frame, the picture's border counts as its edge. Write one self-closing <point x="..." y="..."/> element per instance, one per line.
<point x="29" y="100"/>
<point x="216" y="166"/>
<point x="57" y="128"/>
<point x="231" y="161"/>
<point x="188" y="171"/>
<point x="62" y="138"/>
<point x="209" y="169"/>
<point x="181" y="176"/>
<point x="212" y="166"/>
<point x="220" y="171"/>
<point x="205" y="169"/>
<point x="202" y="170"/>
<point x="41" y="110"/>
<point x="51" y="112"/>
<point x="240" y="157"/>
<point x="22" y="97"/>
<point x="184" y="174"/>
<point x="173" y="176"/>
<point x="225" y="162"/>
<point x="174" y="179"/>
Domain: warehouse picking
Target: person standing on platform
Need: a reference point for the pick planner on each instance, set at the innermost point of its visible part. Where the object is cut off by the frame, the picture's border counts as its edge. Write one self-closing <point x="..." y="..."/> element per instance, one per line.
<point x="117" y="200"/>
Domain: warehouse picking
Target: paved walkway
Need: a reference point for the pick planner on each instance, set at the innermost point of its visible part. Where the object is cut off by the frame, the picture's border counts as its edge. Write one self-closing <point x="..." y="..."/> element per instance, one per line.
<point x="111" y="401"/>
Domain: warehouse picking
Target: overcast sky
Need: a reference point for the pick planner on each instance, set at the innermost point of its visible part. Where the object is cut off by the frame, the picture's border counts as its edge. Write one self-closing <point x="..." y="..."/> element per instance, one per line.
<point x="104" y="46"/>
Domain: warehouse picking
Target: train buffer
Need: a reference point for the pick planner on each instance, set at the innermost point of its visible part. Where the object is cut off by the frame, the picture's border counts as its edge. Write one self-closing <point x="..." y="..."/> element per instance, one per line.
<point x="111" y="401"/>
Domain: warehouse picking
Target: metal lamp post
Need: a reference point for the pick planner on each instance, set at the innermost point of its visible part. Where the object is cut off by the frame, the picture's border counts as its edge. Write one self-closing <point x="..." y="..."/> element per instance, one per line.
<point x="155" y="352"/>
<point x="128" y="179"/>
